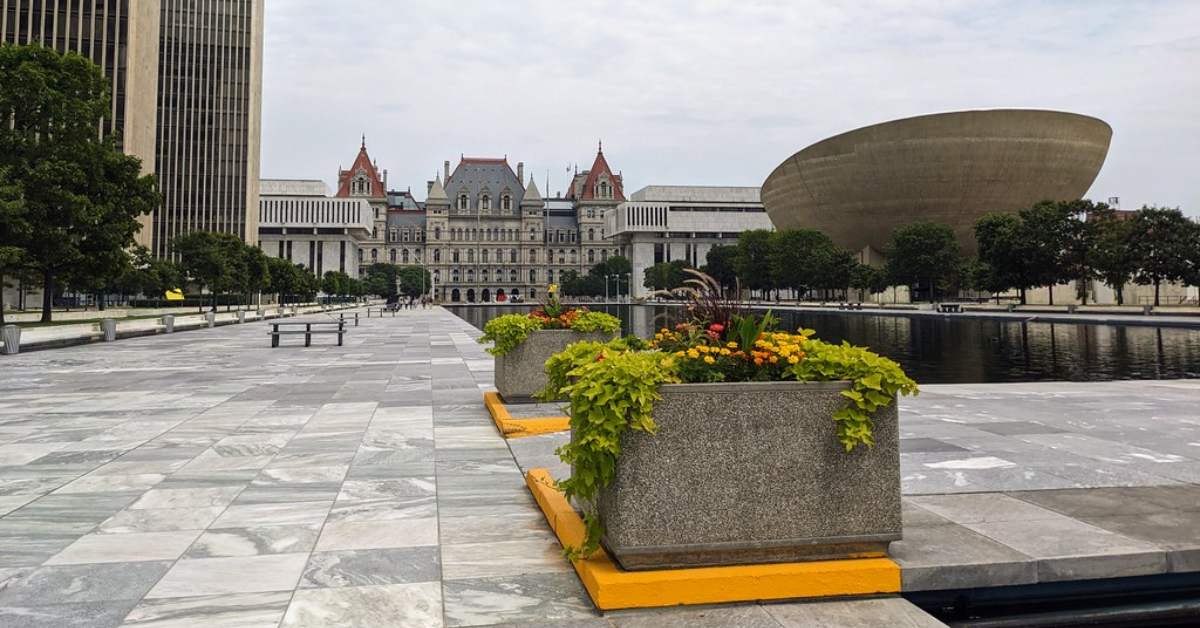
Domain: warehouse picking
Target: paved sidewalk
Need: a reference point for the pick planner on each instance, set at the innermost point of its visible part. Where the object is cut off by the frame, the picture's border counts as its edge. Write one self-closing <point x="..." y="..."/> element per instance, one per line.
<point x="204" y="479"/>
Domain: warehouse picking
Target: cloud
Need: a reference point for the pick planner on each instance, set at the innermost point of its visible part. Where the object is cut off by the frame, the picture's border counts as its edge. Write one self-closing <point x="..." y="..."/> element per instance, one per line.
<point x="714" y="92"/>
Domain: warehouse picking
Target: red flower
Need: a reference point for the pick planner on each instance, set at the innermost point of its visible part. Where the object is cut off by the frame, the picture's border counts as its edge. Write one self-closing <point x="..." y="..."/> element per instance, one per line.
<point x="716" y="327"/>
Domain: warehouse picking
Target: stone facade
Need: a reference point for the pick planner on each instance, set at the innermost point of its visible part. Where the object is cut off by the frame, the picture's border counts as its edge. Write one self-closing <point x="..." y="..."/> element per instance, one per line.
<point x="298" y="221"/>
<point x="485" y="230"/>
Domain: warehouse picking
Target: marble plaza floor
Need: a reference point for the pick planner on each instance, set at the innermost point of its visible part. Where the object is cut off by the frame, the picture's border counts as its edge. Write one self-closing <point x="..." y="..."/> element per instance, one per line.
<point x="204" y="479"/>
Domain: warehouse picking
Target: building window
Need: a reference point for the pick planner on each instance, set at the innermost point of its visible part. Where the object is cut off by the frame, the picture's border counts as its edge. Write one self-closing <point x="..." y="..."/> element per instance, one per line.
<point x="437" y="233"/>
<point x="454" y="257"/>
<point x="485" y="202"/>
<point x="512" y="256"/>
<point x="506" y="202"/>
<point x="360" y="256"/>
<point x="532" y="276"/>
<point x="470" y="256"/>
<point x="483" y="256"/>
<point x="392" y="256"/>
<point x="454" y="276"/>
<point x="591" y="234"/>
<point x="533" y="256"/>
<point x="437" y="256"/>
<point x="591" y="256"/>
<point x="483" y="275"/>
<point x="512" y="276"/>
<point x="404" y="256"/>
<point x="562" y="256"/>
<point x="374" y="255"/>
<point x="462" y="202"/>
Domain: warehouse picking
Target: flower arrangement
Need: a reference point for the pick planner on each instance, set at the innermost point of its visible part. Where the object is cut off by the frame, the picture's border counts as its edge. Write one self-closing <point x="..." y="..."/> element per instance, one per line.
<point x="509" y="331"/>
<point x="612" y="386"/>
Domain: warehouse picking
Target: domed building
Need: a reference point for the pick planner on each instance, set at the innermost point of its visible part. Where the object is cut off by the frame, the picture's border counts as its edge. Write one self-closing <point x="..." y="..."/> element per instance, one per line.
<point x="953" y="168"/>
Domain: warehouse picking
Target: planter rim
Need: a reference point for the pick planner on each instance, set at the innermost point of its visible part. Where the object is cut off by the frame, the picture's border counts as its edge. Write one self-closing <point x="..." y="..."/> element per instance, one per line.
<point x="742" y="387"/>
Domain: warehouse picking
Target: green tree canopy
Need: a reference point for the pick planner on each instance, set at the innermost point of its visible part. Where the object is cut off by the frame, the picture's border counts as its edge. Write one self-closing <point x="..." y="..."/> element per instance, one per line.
<point x="925" y="253"/>
<point x="80" y="197"/>
<point x="753" y="260"/>
<point x="216" y="261"/>
<point x="1112" y="260"/>
<point x="414" y="281"/>
<point x="1162" y="243"/>
<point x="665" y="275"/>
<point x="380" y="280"/>
<point x="721" y="264"/>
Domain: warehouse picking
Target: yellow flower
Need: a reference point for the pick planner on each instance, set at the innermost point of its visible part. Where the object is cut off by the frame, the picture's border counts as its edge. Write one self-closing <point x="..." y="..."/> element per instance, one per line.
<point x="793" y="359"/>
<point x="679" y="354"/>
<point x="708" y="359"/>
<point x="553" y="288"/>
<point x="725" y="352"/>
<point x="692" y="353"/>
<point x="731" y="345"/>
<point x="774" y="359"/>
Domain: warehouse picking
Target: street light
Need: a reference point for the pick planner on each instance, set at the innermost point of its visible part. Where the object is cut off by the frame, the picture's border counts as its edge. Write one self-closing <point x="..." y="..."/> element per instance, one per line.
<point x="628" y="288"/>
<point x="606" y="288"/>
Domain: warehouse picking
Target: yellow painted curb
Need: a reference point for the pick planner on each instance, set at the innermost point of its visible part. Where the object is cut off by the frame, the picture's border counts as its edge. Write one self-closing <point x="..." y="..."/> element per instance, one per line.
<point x="612" y="588"/>
<point x="517" y="428"/>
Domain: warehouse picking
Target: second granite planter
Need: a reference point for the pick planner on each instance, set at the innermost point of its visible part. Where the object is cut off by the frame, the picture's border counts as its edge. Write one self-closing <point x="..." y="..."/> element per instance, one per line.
<point x="750" y="473"/>
<point x="521" y="373"/>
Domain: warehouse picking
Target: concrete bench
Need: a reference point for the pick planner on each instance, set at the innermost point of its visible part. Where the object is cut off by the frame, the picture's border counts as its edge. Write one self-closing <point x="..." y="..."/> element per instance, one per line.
<point x="948" y="308"/>
<point x="322" y="327"/>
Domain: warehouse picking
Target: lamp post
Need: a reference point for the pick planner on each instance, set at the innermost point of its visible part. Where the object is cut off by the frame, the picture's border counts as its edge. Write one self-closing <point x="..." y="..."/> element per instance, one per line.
<point x="628" y="288"/>
<point x="606" y="288"/>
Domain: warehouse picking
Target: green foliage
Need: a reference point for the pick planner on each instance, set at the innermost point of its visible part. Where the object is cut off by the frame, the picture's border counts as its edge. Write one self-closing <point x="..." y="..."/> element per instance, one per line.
<point x="414" y="281"/>
<point x="218" y="261"/>
<point x="753" y="260"/>
<point x="874" y="383"/>
<point x="589" y="321"/>
<point x="805" y="259"/>
<point x="79" y="198"/>
<point x="1162" y="242"/>
<point x="868" y="278"/>
<point x="609" y="390"/>
<point x="508" y="331"/>
<point x="720" y="264"/>
<point x="666" y="275"/>
<point x="923" y="252"/>
<point x="381" y="280"/>
<point x="1112" y="259"/>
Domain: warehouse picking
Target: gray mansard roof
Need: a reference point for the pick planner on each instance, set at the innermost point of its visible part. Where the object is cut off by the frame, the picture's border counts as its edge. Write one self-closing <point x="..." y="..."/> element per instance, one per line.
<point x="474" y="175"/>
<point x="406" y="219"/>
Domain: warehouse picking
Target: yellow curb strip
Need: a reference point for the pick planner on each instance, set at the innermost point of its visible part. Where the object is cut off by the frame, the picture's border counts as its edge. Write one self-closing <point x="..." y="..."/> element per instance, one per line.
<point x="612" y="588"/>
<point x="517" y="428"/>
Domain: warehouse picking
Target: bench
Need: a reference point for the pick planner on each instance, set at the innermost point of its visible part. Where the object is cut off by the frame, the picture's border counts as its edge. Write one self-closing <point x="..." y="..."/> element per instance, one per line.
<point x="342" y="317"/>
<point x="381" y="310"/>
<point x="322" y="327"/>
<point x="947" y="308"/>
<point x="849" y="306"/>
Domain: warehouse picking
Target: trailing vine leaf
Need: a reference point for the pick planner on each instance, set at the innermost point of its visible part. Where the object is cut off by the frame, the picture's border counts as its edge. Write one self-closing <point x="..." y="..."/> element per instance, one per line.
<point x="508" y="331"/>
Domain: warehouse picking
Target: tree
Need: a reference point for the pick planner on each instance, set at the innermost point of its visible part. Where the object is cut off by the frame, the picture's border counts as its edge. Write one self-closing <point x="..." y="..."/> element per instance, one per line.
<point x="381" y="279"/>
<point x="793" y="256"/>
<point x="665" y="275"/>
<point x="80" y="196"/>
<point x="1111" y="258"/>
<point x="721" y="264"/>
<point x="335" y="283"/>
<point x="923" y="252"/>
<point x="1005" y="251"/>
<point x="414" y="281"/>
<point x="576" y="285"/>
<point x="256" y="271"/>
<point x="753" y="260"/>
<point x="868" y="279"/>
<point x="12" y="226"/>
<point x="1048" y="230"/>
<point x="213" y="260"/>
<point x="283" y="278"/>
<point x="1161" y="243"/>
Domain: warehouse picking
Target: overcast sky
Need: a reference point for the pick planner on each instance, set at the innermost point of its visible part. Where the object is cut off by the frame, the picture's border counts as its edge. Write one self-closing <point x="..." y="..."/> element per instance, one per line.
<point x="714" y="93"/>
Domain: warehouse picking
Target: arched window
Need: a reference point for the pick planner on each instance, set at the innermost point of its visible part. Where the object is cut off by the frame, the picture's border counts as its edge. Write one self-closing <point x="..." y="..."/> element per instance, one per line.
<point x="512" y="275"/>
<point x="506" y="202"/>
<point x="360" y="256"/>
<point x="532" y="234"/>
<point x="454" y="276"/>
<point x="462" y="201"/>
<point x="562" y="256"/>
<point x="470" y="256"/>
<point x="574" y="257"/>
<point x="437" y="274"/>
<point x="532" y="277"/>
<point x="437" y="255"/>
<point x="591" y="256"/>
<point x="485" y="202"/>
<point x="512" y="256"/>
<point x="532" y="256"/>
<point x="374" y="255"/>
<point x="392" y="256"/>
<point x="591" y="234"/>
<point x="470" y="275"/>
<point x="483" y="275"/>
<point x="404" y="256"/>
<point x="454" y="257"/>
<point x="483" y="256"/>
<point x="437" y="233"/>
<point x="499" y="255"/>
<point x="604" y="255"/>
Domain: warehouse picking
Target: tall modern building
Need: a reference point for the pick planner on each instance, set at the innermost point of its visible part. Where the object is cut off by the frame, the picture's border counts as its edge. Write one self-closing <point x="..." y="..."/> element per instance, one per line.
<point x="186" y="80"/>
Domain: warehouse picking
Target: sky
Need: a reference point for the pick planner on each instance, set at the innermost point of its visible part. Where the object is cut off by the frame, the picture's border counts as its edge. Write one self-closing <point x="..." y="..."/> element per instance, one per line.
<point x="714" y="93"/>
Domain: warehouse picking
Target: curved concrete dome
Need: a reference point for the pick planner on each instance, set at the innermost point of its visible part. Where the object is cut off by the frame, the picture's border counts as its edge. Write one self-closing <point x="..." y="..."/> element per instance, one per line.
<point x="953" y="168"/>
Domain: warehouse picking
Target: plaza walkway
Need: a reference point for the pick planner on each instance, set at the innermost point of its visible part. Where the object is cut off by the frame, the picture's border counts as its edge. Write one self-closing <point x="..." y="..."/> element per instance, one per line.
<point x="204" y="479"/>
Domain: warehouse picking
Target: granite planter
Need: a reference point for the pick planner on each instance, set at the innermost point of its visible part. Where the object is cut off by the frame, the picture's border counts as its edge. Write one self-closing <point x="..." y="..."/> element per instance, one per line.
<point x="521" y="373"/>
<point x="747" y="473"/>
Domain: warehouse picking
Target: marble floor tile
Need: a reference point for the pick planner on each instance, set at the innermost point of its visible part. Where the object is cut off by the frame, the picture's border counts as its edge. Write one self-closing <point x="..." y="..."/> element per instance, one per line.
<point x="94" y="483"/>
<point x="420" y="507"/>
<point x="509" y="558"/>
<point x="186" y="498"/>
<point x="375" y="566"/>
<point x="254" y="541"/>
<point x="31" y="550"/>
<point x="9" y="503"/>
<point x="253" y="515"/>
<point x="740" y="615"/>
<point x="97" y="614"/>
<point x="160" y="520"/>
<point x="366" y="490"/>
<point x="393" y="605"/>
<point x="116" y="548"/>
<point x="892" y="612"/>
<point x="242" y="574"/>
<point x="513" y="599"/>
<point x="488" y="529"/>
<point x="272" y="476"/>
<point x="62" y="584"/>
<point x="238" y="610"/>
<point x="351" y="535"/>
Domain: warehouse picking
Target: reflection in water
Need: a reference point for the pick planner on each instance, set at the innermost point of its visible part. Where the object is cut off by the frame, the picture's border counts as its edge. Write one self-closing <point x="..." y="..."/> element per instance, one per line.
<point x="939" y="350"/>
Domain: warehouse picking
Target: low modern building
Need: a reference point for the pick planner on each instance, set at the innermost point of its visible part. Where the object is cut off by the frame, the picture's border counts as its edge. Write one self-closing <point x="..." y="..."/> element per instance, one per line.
<point x="952" y="168"/>
<point x="662" y="223"/>
<point x="300" y="222"/>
